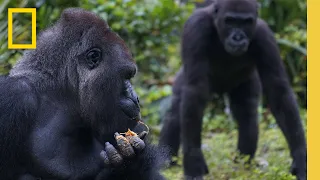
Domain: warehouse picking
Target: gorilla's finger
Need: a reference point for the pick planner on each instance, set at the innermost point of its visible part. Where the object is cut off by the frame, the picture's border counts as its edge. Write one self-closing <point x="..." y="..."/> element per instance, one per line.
<point x="143" y="134"/>
<point x="136" y="142"/>
<point x="104" y="157"/>
<point x="113" y="155"/>
<point x="124" y="145"/>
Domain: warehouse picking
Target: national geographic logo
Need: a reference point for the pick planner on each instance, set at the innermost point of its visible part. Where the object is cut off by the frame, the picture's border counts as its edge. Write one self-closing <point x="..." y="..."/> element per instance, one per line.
<point x="33" y="44"/>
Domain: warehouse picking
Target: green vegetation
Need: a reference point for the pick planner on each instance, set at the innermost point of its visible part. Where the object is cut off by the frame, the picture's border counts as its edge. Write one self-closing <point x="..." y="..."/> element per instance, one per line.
<point x="272" y="160"/>
<point x="151" y="28"/>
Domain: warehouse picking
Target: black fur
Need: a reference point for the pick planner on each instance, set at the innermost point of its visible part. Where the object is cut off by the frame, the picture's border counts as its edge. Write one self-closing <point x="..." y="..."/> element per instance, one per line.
<point x="64" y="100"/>
<point x="208" y="68"/>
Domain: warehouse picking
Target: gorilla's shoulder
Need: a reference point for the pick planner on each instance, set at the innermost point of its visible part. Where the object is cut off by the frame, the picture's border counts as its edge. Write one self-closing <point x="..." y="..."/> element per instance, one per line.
<point x="198" y="28"/>
<point x="199" y="18"/>
<point x="263" y="31"/>
<point x="262" y="24"/>
<point x="16" y="93"/>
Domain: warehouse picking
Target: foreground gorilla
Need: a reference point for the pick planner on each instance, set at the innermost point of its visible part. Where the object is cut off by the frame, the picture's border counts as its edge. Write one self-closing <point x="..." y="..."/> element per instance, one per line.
<point x="62" y="103"/>
<point x="226" y="48"/>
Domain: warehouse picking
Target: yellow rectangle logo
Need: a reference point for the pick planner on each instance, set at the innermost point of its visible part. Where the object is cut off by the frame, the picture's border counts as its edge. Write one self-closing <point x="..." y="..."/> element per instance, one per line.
<point x="33" y="44"/>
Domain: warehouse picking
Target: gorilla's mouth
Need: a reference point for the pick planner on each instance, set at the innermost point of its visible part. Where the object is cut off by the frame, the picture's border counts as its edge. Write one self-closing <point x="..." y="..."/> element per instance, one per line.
<point x="236" y="49"/>
<point x="129" y="102"/>
<point x="130" y="108"/>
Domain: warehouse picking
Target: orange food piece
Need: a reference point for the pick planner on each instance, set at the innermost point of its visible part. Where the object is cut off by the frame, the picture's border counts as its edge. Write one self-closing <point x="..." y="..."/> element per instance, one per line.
<point x="121" y="137"/>
<point x="130" y="133"/>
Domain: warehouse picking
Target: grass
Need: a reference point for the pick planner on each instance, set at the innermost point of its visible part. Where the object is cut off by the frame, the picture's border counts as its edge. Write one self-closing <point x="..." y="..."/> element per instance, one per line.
<point x="272" y="161"/>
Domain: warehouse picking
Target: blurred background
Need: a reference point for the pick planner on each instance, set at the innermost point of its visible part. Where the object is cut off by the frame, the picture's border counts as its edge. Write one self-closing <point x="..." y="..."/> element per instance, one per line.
<point x="152" y="28"/>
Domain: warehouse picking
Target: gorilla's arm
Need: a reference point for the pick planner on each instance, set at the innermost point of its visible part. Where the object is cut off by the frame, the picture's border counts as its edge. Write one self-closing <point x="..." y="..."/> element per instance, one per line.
<point x="195" y="91"/>
<point x="280" y="95"/>
<point x="18" y="104"/>
<point x="144" y="166"/>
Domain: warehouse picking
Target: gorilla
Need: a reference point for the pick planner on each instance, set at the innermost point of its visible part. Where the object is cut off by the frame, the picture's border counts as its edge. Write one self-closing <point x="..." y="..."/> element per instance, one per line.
<point x="63" y="104"/>
<point x="204" y="3"/>
<point x="227" y="49"/>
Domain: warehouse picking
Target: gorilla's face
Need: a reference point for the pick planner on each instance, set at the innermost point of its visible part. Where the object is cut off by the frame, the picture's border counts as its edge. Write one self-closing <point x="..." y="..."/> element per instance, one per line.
<point x="105" y="89"/>
<point x="104" y="67"/>
<point x="235" y="22"/>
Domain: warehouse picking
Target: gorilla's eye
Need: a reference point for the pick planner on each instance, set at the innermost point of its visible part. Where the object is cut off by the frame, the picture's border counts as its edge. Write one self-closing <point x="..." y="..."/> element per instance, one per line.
<point x="216" y="10"/>
<point x="230" y="20"/>
<point x="248" y="21"/>
<point x="93" y="57"/>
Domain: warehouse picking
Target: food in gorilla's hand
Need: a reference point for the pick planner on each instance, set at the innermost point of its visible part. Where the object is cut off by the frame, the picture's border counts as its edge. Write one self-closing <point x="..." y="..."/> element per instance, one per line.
<point x="124" y="145"/>
<point x="127" y="143"/>
<point x="136" y="140"/>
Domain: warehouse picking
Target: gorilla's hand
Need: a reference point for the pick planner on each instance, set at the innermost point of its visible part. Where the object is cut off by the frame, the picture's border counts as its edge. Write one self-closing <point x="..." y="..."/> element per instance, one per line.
<point x="127" y="147"/>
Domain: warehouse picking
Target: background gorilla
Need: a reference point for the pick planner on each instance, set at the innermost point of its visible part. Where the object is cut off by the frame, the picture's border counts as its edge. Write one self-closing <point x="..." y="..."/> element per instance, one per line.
<point x="64" y="100"/>
<point x="227" y="49"/>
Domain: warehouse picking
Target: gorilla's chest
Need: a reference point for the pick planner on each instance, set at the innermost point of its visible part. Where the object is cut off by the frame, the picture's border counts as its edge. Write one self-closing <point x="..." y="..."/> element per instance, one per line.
<point x="59" y="145"/>
<point x="226" y="72"/>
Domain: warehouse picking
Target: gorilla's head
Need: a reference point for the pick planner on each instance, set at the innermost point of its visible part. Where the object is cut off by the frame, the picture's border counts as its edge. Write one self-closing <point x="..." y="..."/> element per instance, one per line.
<point x="80" y="56"/>
<point x="235" y="21"/>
